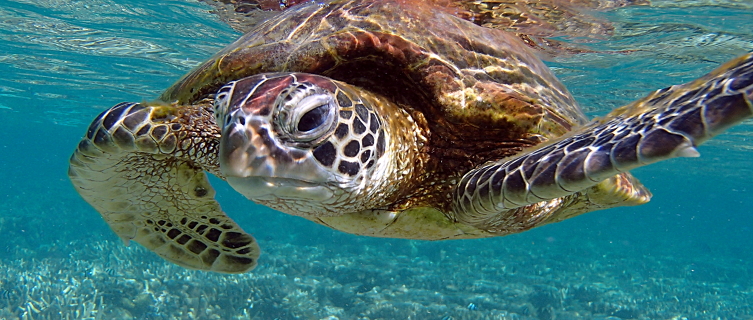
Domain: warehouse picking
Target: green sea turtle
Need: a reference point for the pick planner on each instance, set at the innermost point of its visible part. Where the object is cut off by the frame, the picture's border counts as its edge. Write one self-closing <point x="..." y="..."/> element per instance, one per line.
<point x="386" y="119"/>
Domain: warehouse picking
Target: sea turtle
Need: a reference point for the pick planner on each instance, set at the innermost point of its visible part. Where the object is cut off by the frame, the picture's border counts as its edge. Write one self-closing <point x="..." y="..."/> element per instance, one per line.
<point x="380" y="118"/>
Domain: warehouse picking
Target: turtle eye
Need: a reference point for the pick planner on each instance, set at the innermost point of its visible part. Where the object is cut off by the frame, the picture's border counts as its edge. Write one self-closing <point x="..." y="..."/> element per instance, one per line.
<point x="307" y="113"/>
<point x="313" y="119"/>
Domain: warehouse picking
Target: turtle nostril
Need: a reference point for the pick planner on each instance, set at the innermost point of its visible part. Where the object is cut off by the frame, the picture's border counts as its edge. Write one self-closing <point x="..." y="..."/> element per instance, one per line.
<point x="242" y="121"/>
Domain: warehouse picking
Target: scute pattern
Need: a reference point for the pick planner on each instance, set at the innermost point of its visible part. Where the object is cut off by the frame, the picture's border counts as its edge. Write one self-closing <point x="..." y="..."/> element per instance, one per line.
<point x="153" y="189"/>
<point x="535" y="21"/>
<point x="354" y="136"/>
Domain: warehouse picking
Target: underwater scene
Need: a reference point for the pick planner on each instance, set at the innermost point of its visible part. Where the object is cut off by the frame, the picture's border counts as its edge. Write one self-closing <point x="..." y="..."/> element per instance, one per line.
<point x="687" y="254"/>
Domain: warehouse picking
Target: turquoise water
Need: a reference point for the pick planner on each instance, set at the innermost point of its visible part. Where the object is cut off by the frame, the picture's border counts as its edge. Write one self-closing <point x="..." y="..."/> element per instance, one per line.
<point x="687" y="254"/>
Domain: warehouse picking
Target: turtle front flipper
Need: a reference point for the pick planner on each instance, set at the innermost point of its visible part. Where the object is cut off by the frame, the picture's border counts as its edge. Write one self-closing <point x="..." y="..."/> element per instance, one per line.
<point x="142" y="167"/>
<point x="666" y="124"/>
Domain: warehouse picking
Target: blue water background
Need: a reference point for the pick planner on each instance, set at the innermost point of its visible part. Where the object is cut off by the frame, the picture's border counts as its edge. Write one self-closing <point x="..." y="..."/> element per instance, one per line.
<point x="63" y="62"/>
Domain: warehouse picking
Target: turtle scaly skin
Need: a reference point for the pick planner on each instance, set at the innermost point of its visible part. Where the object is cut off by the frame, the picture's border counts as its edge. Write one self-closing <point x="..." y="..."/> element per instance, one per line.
<point x="380" y="118"/>
<point x="143" y="168"/>
<point x="666" y="124"/>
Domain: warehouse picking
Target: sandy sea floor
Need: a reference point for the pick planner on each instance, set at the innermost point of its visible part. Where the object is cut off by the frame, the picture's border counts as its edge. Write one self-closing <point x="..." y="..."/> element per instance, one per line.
<point x="415" y="280"/>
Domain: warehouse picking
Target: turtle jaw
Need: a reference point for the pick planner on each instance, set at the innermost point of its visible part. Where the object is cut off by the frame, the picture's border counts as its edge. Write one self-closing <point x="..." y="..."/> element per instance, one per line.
<point x="251" y="152"/>
<point x="263" y="189"/>
<point x="262" y="170"/>
<point x="271" y="176"/>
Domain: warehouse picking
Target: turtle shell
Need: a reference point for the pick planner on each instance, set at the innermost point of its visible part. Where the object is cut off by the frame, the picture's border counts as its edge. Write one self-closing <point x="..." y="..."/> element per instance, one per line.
<point x="536" y="22"/>
<point x="479" y="93"/>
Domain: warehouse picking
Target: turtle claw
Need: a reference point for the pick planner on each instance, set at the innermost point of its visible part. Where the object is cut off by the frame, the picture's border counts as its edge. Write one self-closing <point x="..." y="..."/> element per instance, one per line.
<point x="688" y="152"/>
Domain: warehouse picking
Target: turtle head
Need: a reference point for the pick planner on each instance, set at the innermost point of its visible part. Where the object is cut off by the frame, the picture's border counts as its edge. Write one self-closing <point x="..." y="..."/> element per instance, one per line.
<point x="302" y="144"/>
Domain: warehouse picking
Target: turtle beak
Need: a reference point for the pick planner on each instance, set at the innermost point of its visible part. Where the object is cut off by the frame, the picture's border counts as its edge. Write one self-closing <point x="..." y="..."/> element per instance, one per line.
<point x="245" y="148"/>
<point x="255" y="167"/>
<point x="234" y="152"/>
<point x="250" y="148"/>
